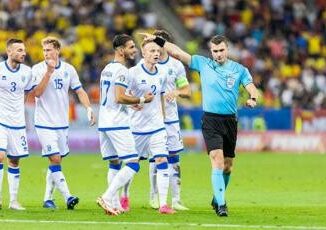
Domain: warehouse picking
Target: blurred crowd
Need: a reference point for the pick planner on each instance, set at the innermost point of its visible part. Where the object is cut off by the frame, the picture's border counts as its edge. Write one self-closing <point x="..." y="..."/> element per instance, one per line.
<point x="282" y="42"/>
<point x="85" y="28"/>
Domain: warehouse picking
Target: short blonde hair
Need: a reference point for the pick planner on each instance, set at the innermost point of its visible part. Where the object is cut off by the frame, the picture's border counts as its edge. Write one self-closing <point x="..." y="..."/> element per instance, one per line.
<point x="51" y="40"/>
<point x="145" y="42"/>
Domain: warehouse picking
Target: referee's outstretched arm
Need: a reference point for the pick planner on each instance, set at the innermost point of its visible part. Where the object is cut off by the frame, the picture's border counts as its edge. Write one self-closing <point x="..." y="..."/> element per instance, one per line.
<point x="172" y="49"/>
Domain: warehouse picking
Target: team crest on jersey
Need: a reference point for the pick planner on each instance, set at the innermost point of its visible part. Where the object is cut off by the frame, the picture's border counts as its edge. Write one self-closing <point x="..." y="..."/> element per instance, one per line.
<point x="48" y="148"/>
<point x="4" y="78"/>
<point x="23" y="78"/>
<point x="65" y="74"/>
<point x="122" y="78"/>
<point x="143" y="81"/>
<point x="170" y="71"/>
<point x="230" y="81"/>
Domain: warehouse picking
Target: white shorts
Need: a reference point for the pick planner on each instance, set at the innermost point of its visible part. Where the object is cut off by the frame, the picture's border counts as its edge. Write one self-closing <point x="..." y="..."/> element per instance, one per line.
<point x="152" y="145"/>
<point x="13" y="142"/>
<point x="53" y="141"/>
<point x="118" y="144"/>
<point x="175" y="143"/>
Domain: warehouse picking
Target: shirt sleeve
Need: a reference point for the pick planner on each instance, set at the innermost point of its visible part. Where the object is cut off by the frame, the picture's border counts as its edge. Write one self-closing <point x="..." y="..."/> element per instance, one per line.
<point x="74" y="79"/>
<point x="197" y="62"/>
<point x="130" y="80"/>
<point x="30" y="84"/>
<point x="246" y="77"/>
<point x="164" y="83"/>
<point x="122" y="78"/>
<point x="36" y="76"/>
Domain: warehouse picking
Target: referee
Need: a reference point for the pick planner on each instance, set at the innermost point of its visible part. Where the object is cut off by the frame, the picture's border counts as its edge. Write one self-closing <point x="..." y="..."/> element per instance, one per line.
<point x="220" y="80"/>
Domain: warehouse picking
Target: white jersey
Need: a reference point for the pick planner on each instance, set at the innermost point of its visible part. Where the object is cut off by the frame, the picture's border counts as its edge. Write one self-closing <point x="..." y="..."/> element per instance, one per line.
<point x="113" y="115"/>
<point x="150" y="118"/>
<point x="51" y="110"/>
<point x="175" y="71"/>
<point x="13" y="83"/>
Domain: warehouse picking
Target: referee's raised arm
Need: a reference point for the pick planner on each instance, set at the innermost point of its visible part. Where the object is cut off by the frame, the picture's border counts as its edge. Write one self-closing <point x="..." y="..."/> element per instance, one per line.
<point x="172" y="49"/>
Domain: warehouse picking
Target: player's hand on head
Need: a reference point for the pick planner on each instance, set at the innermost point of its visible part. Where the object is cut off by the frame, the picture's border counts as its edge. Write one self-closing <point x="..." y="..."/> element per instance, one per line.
<point x="148" y="36"/>
<point x="149" y="97"/>
<point x="251" y="103"/>
<point x="91" y="116"/>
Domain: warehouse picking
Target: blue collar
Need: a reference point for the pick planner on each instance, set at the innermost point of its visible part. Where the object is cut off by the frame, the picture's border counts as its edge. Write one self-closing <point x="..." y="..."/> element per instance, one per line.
<point x="164" y="62"/>
<point x="12" y="70"/>
<point x="58" y="66"/>
<point x="144" y="68"/>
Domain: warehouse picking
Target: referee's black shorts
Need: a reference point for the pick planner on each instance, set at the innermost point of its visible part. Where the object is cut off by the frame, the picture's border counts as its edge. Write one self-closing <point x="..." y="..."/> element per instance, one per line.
<point x="220" y="132"/>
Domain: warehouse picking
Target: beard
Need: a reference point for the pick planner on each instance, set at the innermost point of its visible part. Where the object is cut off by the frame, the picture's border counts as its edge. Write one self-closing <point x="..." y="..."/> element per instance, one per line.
<point x="18" y="60"/>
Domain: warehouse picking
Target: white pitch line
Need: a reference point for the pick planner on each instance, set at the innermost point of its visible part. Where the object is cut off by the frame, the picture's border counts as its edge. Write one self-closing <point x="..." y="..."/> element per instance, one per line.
<point x="166" y="224"/>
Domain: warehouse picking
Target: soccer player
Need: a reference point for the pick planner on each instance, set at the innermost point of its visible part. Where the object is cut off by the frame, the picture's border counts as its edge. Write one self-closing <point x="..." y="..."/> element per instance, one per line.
<point x="116" y="139"/>
<point x="148" y="123"/>
<point x="53" y="78"/>
<point x="220" y="80"/>
<point x="15" y="79"/>
<point x="177" y="86"/>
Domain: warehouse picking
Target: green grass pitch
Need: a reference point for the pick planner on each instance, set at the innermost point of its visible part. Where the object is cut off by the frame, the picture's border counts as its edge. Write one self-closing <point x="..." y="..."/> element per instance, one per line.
<point x="266" y="190"/>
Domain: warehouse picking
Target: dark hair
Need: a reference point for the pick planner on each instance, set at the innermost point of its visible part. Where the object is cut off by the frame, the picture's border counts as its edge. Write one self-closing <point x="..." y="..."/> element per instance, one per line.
<point x="121" y="40"/>
<point x="13" y="40"/>
<point x="163" y="34"/>
<point x="217" y="39"/>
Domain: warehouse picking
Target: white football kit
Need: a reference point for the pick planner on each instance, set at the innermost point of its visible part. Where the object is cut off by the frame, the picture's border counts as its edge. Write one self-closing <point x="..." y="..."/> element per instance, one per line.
<point x="13" y="84"/>
<point x="116" y="139"/>
<point x="176" y="74"/>
<point x="51" y="108"/>
<point x="148" y="124"/>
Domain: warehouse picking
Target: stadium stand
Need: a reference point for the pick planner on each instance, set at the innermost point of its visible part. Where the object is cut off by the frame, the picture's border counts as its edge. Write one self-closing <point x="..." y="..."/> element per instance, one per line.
<point x="282" y="42"/>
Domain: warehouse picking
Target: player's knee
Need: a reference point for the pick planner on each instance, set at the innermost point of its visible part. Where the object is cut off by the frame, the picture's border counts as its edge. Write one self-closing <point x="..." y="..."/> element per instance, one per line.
<point x="55" y="159"/>
<point x="114" y="162"/>
<point x="159" y="160"/>
<point x="134" y="166"/>
<point x="2" y="156"/>
<point x="13" y="162"/>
